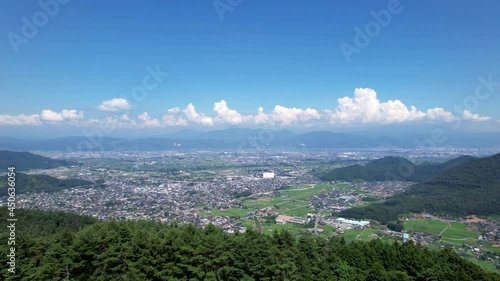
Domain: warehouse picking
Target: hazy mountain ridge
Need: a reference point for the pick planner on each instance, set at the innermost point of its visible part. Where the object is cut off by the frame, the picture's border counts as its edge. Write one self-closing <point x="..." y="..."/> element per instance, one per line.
<point x="27" y="161"/>
<point x="37" y="183"/>
<point x="392" y="168"/>
<point x="238" y="138"/>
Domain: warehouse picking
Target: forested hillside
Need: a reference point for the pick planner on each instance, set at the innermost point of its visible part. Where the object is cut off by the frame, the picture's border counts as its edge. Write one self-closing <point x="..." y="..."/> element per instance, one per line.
<point x="392" y="168"/>
<point x="25" y="183"/>
<point x="141" y="250"/>
<point x="46" y="223"/>
<point x="26" y="161"/>
<point x="472" y="188"/>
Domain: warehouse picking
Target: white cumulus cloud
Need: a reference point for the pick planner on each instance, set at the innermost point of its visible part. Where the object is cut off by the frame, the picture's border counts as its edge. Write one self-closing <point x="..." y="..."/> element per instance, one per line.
<point x="261" y="117"/>
<point x="287" y="116"/>
<point x="125" y="118"/>
<point x="115" y="104"/>
<point x="174" y="110"/>
<point x="475" y="117"/>
<point x="21" y="119"/>
<point x="225" y="114"/>
<point x="172" y="118"/>
<point x="122" y="121"/>
<point x="193" y="116"/>
<point x="396" y="112"/>
<point x="147" y="121"/>
<point x="440" y="114"/>
<point x="365" y="107"/>
<point x="65" y="115"/>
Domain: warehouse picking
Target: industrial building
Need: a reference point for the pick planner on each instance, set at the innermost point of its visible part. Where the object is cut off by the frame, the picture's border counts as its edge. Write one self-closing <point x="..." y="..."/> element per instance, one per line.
<point x="268" y="175"/>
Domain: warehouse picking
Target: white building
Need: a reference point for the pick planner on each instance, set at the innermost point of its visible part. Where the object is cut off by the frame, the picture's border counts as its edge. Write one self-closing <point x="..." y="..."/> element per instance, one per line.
<point x="268" y="175"/>
<point x="358" y="224"/>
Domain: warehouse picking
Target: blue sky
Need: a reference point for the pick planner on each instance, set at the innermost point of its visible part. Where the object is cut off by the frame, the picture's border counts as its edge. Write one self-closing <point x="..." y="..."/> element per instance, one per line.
<point x="283" y="56"/>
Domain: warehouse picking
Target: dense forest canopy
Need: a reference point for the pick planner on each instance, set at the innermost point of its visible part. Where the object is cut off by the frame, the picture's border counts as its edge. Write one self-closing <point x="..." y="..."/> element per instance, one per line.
<point x="59" y="246"/>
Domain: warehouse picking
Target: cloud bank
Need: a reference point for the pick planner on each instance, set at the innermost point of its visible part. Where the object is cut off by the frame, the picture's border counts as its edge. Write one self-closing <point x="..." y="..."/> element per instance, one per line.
<point x="65" y="115"/>
<point x="363" y="107"/>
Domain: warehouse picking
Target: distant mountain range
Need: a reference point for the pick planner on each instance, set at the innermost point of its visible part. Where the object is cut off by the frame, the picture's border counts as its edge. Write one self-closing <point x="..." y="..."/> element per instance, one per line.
<point x="392" y="168"/>
<point x="470" y="188"/>
<point x="26" y="161"/>
<point x="239" y="138"/>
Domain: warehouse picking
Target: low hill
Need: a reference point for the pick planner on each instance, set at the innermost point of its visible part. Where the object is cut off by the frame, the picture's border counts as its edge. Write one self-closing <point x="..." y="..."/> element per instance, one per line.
<point x="27" y="161"/>
<point x="26" y="183"/>
<point x="392" y="168"/>
<point x="471" y="188"/>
